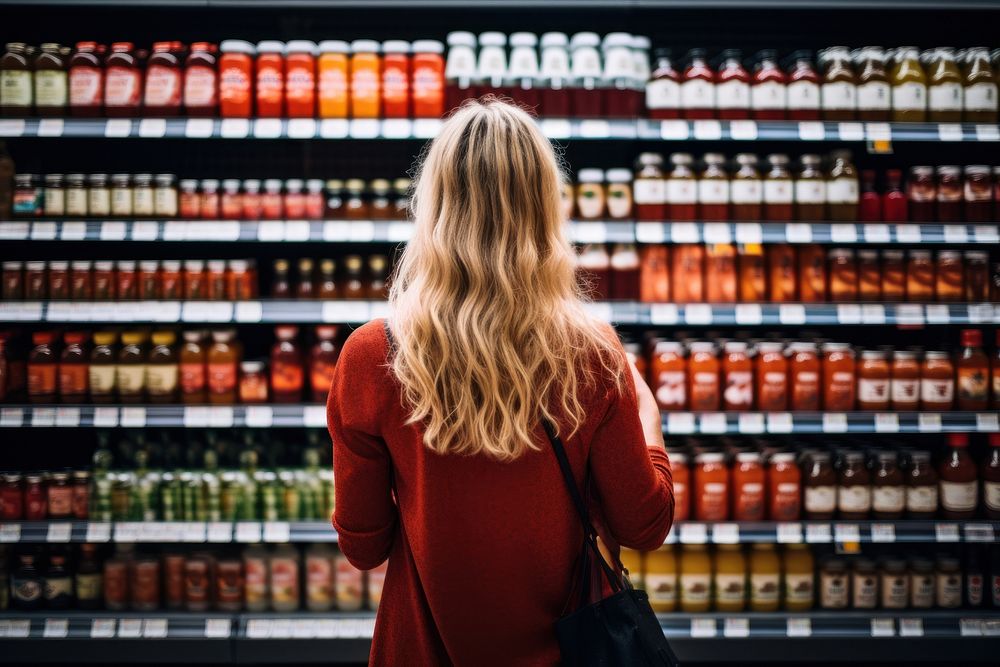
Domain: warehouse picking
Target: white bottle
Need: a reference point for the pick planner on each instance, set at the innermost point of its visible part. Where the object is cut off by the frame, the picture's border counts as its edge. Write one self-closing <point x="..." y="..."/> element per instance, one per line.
<point x="492" y="59"/>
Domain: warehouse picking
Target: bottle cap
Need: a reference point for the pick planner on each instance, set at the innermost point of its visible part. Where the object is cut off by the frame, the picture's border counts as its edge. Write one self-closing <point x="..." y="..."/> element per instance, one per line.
<point x="972" y="338"/>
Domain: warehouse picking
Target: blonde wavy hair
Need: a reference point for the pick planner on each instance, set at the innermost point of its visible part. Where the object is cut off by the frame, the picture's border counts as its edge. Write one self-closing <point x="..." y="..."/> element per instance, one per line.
<point x="492" y="333"/>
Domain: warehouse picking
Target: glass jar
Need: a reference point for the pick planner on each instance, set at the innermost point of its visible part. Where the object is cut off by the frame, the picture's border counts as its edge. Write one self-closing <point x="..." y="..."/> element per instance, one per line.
<point x="921" y="193"/>
<point x="98" y="196"/>
<point x="944" y="86"/>
<point x="909" y="86"/>
<point x="854" y="494"/>
<point x="949" y="282"/>
<point x="978" y="193"/>
<point x="888" y="492"/>
<point x="937" y="381"/>
<point x="874" y="92"/>
<point x="921" y="487"/>
<point x="713" y="189"/>
<point x="697" y="86"/>
<point x="810" y="190"/>
<point x="746" y="189"/>
<point x="778" y="190"/>
<point x="804" y="95"/>
<point x="650" y="188"/>
<point x="904" y="387"/>
<point x="618" y="194"/>
<point x="869" y="276"/>
<point x="920" y="276"/>
<point x="839" y="86"/>
<point x="842" y="188"/>
<point x="839" y="377"/>
<point x="165" y="196"/>
<point x="663" y="90"/>
<point x="979" y="81"/>
<point x="732" y="87"/>
<point x="768" y="87"/>
<point x="843" y="274"/>
<point x="893" y="275"/>
<point x="950" y="193"/>
<point x="820" y="488"/>
<point x="873" y="381"/>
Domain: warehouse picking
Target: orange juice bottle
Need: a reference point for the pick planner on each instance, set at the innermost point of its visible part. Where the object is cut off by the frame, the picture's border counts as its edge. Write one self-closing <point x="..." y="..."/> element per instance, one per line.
<point x="730" y="578"/>
<point x="632" y="561"/>
<point x="661" y="579"/>
<point x="696" y="579"/>
<point x="332" y="79"/>
<point x="366" y="79"/>
<point x="765" y="578"/>
<point x="798" y="567"/>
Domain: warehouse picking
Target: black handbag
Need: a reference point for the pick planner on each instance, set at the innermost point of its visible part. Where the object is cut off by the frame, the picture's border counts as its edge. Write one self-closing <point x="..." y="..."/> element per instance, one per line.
<point x="619" y="630"/>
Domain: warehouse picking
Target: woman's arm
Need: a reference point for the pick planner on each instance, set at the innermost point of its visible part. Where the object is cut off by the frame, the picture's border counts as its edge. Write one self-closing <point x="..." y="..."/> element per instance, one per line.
<point x="365" y="516"/>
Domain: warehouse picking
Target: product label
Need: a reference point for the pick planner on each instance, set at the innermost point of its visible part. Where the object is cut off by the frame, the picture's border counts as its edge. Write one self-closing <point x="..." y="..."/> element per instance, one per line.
<point x="895" y="591"/>
<point x="284" y="580"/>
<point x="732" y="95"/>
<point x="778" y="192"/>
<point x="904" y="390"/>
<point x="161" y="379"/>
<point x="682" y="191"/>
<point x="15" y="88"/>
<point x="85" y="89"/>
<point x="199" y="86"/>
<point x="991" y="495"/>
<point x="697" y="94"/>
<point x="661" y="588"/>
<point x="856" y="498"/>
<point x="730" y="587"/>
<point x="221" y="378"/>
<point x="649" y="191"/>
<point x="936" y="391"/>
<point x="922" y="591"/>
<point x="873" y="391"/>
<point x="839" y="95"/>
<point x="972" y="384"/>
<point x="995" y="588"/>
<point x="810" y="192"/>
<point x="958" y="496"/>
<point x="72" y="379"/>
<point x="910" y="96"/>
<point x="427" y="87"/>
<point x="842" y="191"/>
<point x="764" y="588"/>
<point x="76" y="202"/>
<point x="333" y="83"/>
<point x="101" y="378"/>
<point x="921" y="498"/>
<point x="739" y="388"/>
<point x="88" y="586"/>
<point x="319" y="581"/>
<point x="981" y="97"/>
<point x="712" y="503"/>
<point x="949" y="590"/>
<point x="888" y="499"/>
<point x="55" y="201"/>
<point x="695" y="588"/>
<point x="799" y="587"/>
<point x="663" y="94"/>
<point x="130" y="378"/>
<point x="25" y="590"/>
<point x="41" y="379"/>
<point x="768" y="95"/>
<point x="121" y="87"/>
<point x="234" y="86"/>
<point x="833" y="592"/>
<point x="785" y="502"/>
<point x="192" y="377"/>
<point x="300" y="85"/>
<point x="945" y="97"/>
<point x="803" y="95"/>
<point x="865" y="590"/>
<point x="270" y="85"/>
<point x="712" y="191"/>
<point x="256" y="581"/>
<point x="51" y="88"/>
<point x="671" y="391"/>
<point x="121" y="202"/>
<point x="163" y="86"/>
<point x="746" y="191"/>
<point x="364" y="84"/>
<point x="750" y="498"/>
<point x="974" y="589"/>
<point x="874" y="96"/>
<point x="349" y="585"/>
<point x="820" y="498"/>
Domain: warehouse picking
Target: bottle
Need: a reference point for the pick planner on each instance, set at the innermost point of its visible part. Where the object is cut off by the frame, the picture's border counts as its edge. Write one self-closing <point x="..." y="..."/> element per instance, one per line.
<point x="737" y="372"/>
<point x="287" y="373"/>
<point x="86" y="80"/>
<point x="661" y="578"/>
<point x="730" y="578"/>
<point x="649" y="188"/>
<point x="711" y="487"/>
<point x="554" y="73"/>
<point x="43" y="368"/>
<point x="164" y="88"/>
<point x="748" y="478"/>
<point x="995" y="372"/>
<point x="974" y="575"/>
<point x="236" y="78"/>
<point x="73" y="369"/>
<point x="894" y="200"/>
<point x="200" y="87"/>
<point x="270" y="81"/>
<point x="51" y="82"/>
<point x="162" y="368"/>
<point x="765" y="578"/>
<point x="26" y="588"/>
<point x="222" y="360"/>
<point x="909" y="86"/>
<point x="870" y="204"/>
<point x="798" y="579"/>
<point x="803" y="87"/>
<point x="663" y="90"/>
<point x="972" y="372"/>
<point x="874" y="93"/>
<point x="492" y="63"/>
<point x="300" y="78"/>
<point x="192" y="368"/>
<point x="122" y="81"/>
<point x="586" y="93"/>
<point x="810" y="190"/>
<point x="87" y="586"/>
<point x="979" y="79"/>
<point x="732" y="88"/>
<point x="713" y="189"/>
<point x="768" y="87"/>
<point x="944" y="86"/>
<point x="746" y="189"/>
<point x="460" y="67"/>
<point x="842" y="188"/>
<point x="958" y="480"/>
<point x="16" y="81"/>
<point x="839" y="89"/>
<point x="695" y="579"/>
<point x="778" y="190"/>
<point x="682" y="189"/>
<point x="697" y="87"/>
<point x="617" y="76"/>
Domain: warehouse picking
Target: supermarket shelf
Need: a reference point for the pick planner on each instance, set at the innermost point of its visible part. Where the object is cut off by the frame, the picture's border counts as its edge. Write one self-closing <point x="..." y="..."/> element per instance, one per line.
<point x="626" y="313"/>
<point x="399" y="231"/>
<point x="345" y="637"/>
<point x="519" y="4"/>
<point x="687" y="532"/>
<point x="554" y="128"/>
<point x="314" y="416"/>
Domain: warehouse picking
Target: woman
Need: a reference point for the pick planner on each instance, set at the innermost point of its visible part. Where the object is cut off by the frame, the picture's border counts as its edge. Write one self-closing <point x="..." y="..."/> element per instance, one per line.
<point x="440" y="458"/>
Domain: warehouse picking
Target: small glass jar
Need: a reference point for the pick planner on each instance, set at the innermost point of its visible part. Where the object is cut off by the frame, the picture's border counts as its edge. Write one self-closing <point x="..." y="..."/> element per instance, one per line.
<point x="188" y="200"/>
<point x="920" y="276"/>
<point x="143" y="198"/>
<point x="98" y="196"/>
<point x="54" y="199"/>
<point x="253" y="382"/>
<point x="895" y="584"/>
<point x="590" y="196"/>
<point x="210" y="204"/>
<point x="921" y="194"/>
<point x="950" y="193"/>
<point x="121" y="196"/>
<point x="843" y="272"/>
<point x="619" y="194"/>
<point x="76" y="196"/>
<point x="949" y="283"/>
<point x="165" y="196"/>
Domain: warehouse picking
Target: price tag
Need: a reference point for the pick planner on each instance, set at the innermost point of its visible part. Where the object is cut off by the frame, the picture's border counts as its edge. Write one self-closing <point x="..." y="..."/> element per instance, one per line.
<point x="379" y="309"/>
<point x="779" y="422"/>
<point x="303" y="629"/>
<point x="590" y="232"/>
<point x="55" y="628"/>
<point x="872" y="313"/>
<point x="220" y="532"/>
<point x="117" y="128"/>
<point x="680" y="423"/>
<point x="133" y="418"/>
<point x="363" y="128"/>
<point x="556" y="128"/>
<point x="749" y="313"/>
<point x="789" y="533"/>
<point x="911" y="627"/>
<point x="736" y="627"/>
<point x="258" y="628"/>
<point x="851" y="131"/>
<point x="674" y="130"/>
<point x="792" y="313"/>
<point x="749" y="232"/>
<point x="148" y="231"/>
<point x="362" y="231"/>
<point x="717" y="232"/>
<point x="987" y="133"/>
<point x="798" y="232"/>
<point x="98" y="532"/>
<point x="11" y="417"/>
<point x="684" y="232"/>
<point x="693" y="533"/>
<point x="713" y="423"/>
<point x="600" y="311"/>
<point x="595" y="129"/>
<point x="970" y="627"/>
<point x="886" y="422"/>
<point x="743" y="130"/>
<point x="314" y="416"/>
<point x="707" y="130"/>
<point x="59" y="532"/>
<point x="909" y="314"/>
<point x="14" y="231"/>
<point x="249" y="311"/>
<point x="426" y="128"/>
<point x="844" y="233"/>
<point x="946" y="532"/>
<point x="333" y="128"/>
<point x="270" y="231"/>
<point x="883" y="532"/>
<point x="248" y="531"/>
<point x="234" y="128"/>
<point x="991" y="627"/>
<point x="281" y="628"/>
<point x="980" y="313"/>
<point x="277" y="531"/>
<point x="726" y="533"/>
<point x="193" y="531"/>
<point x="195" y="416"/>
<point x="950" y="132"/>
<point x="812" y="131"/>
<point x="978" y="532"/>
<point x="177" y="230"/>
<point x="68" y="417"/>
<point x="818" y="533"/>
<point x="909" y="234"/>
<point x="399" y="232"/>
<point x="883" y="627"/>
<point x="10" y="533"/>
<point x="956" y="234"/>
<point x="153" y="128"/>
<point x="207" y="311"/>
<point x="703" y="627"/>
<point x="878" y="132"/>
<point x="259" y="416"/>
<point x="199" y="128"/>
<point x="43" y="231"/>
<point x="986" y="234"/>
<point x="834" y="422"/>
<point x="798" y="627"/>
<point x="301" y="128"/>
<point x="336" y="231"/>
<point x="297" y="230"/>
<point x="847" y="532"/>
<point x="988" y="422"/>
<point x="750" y="423"/>
<point x="113" y="231"/>
<point x="876" y="233"/>
<point x="102" y="628"/>
<point x="130" y="628"/>
<point x="663" y="313"/>
<point x="128" y="531"/>
<point x="105" y="417"/>
<point x="16" y="629"/>
<point x="698" y="314"/>
<point x="218" y="628"/>
<point x="154" y="628"/>
<point x="938" y="314"/>
<point x="220" y="416"/>
<point x="928" y="422"/>
<point x="51" y="127"/>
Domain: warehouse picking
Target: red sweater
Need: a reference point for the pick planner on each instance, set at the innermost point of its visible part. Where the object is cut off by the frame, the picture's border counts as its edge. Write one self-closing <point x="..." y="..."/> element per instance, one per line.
<point x="480" y="552"/>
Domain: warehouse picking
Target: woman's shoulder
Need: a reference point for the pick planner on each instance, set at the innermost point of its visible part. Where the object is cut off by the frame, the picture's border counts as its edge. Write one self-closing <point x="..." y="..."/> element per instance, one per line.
<point x="367" y="345"/>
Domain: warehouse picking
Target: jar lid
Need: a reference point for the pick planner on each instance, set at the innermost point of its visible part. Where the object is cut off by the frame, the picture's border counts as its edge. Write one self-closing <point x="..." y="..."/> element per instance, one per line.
<point x="395" y="46"/>
<point x="921" y="565"/>
<point x="97" y="179"/>
<point x="554" y="39"/>
<point x="149" y="265"/>
<point x="231" y="184"/>
<point x="294" y="185"/>
<point x="840" y="252"/>
<point x="314" y="185"/>
<point x="679" y="159"/>
<point x="270" y="46"/>
<point x="649" y="160"/>
<point x="777" y="158"/>
<point x="770" y="346"/>
<point x="254" y="367"/>
<point x="810" y="159"/>
<point x="887" y="455"/>
<point x="327" y="331"/>
<point x="334" y="46"/>
<point x="125" y="265"/>
<point x="223" y="335"/>
<point x="617" y="40"/>
<point x="735" y="346"/>
<point x="188" y="184"/>
<point x="194" y="265"/>
<point x="301" y="46"/>
<point x="748" y="457"/>
<point x="523" y="40"/>
<point x="237" y="46"/>
<point x="59" y="265"/>
<point x="171" y="265"/>
<point x="164" y="338"/>
<point x="904" y="354"/>
<point x="53" y="180"/>
<point x="618" y="176"/>
<point x="862" y="563"/>
<point x="194" y="336"/>
<point x="428" y="46"/>
<point x="590" y="176"/>
<point x="949" y="170"/>
<point x="251" y="185"/>
<point x="920" y="254"/>
<point x="461" y="38"/>
<point x="355" y="184"/>
<point x="164" y="180"/>
<point x="713" y="158"/>
<point x="272" y="185"/>
<point x="584" y="40"/>
<point x="950" y="255"/>
<point x="853" y="456"/>
<point x="492" y="38"/>
<point x="365" y="46"/>
<point x="971" y="169"/>
<point x="103" y="265"/>
<point x="80" y="264"/>
<point x="709" y="457"/>
<point x="238" y="265"/>
<point x="35" y="265"/>
<point x="668" y="346"/>
<point x="216" y="265"/>
<point x="133" y="338"/>
<point x="948" y="563"/>
<point x="783" y="457"/>
<point x="702" y="346"/>
<point x="641" y="42"/>
<point x="873" y="354"/>
<point x="401" y="185"/>
<point x="836" y="346"/>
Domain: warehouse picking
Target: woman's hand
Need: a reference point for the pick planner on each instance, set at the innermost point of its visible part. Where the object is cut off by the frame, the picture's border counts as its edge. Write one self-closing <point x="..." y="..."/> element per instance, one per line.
<point x="649" y="412"/>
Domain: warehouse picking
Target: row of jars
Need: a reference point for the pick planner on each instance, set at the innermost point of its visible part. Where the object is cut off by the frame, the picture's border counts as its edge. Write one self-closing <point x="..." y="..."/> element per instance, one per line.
<point x="738" y="483"/>
<point x="871" y="83"/>
<point x="774" y="376"/>
<point x="809" y="273"/>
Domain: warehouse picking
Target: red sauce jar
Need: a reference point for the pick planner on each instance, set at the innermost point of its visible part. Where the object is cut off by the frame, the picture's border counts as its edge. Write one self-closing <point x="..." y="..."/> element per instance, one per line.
<point x="171" y="280"/>
<point x="921" y="194"/>
<point x="300" y="78"/>
<point x="164" y="86"/>
<point x="737" y="372"/>
<point x="748" y="480"/>
<point x="668" y="373"/>
<point x="703" y="377"/>
<point x="201" y="87"/>
<point x="428" y="79"/>
<point x="210" y="206"/>
<point x="189" y="201"/>
<point x="122" y="81"/>
<point x="873" y="381"/>
<point x="920" y="276"/>
<point x="697" y="87"/>
<point x="35" y="280"/>
<point x="252" y="207"/>
<point x="768" y="88"/>
<point x="231" y="201"/>
<point x="270" y="88"/>
<point x="59" y="286"/>
<point x="732" y="87"/>
<point x="682" y="485"/>
<point x="11" y="497"/>
<point x="195" y="286"/>
<point x="838" y="377"/>
<point x="126" y="280"/>
<point x="784" y="488"/>
<point x="271" y="202"/>
<point x="803" y="88"/>
<point x="949" y="285"/>
<point x="86" y="80"/>
<point x="937" y="381"/>
<point x="236" y="68"/>
<point x="395" y="79"/>
<point x="804" y="371"/>
<point x="772" y="377"/>
<point x="711" y="484"/>
<point x="104" y="280"/>
<point x="950" y="193"/>
<point x="149" y="279"/>
<point x="35" y="505"/>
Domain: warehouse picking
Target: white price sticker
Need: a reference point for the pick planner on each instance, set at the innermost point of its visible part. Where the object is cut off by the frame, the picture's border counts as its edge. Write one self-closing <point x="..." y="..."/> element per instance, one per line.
<point x="11" y="417"/>
<point x="113" y="231"/>
<point x="834" y="422"/>
<point x="259" y="416"/>
<point x="877" y="233"/>
<point x="909" y="234"/>
<point x="779" y="422"/>
<point x="987" y="133"/>
<point x="818" y="533"/>
<point x="556" y="128"/>
<point x="736" y="627"/>
<point x="713" y="423"/>
<point x="883" y="627"/>
<point x="68" y="417"/>
<point x="147" y="231"/>
<point x="590" y="232"/>
<point x="595" y="129"/>
<point x="751" y="423"/>
<point x="362" y="231"/>
<point x="911" y="627"/>
<point x="105" y="417"/>
<point x="277" y="531"/>
<point x="693" y="533"/>
<point x="699" y="314"/>
<point x="195" y="416"/>
<point x="102" y="628"/>
<point x="220" y="532"/>
<point x="726" y="533"/>
<point x="663" y="313"/>
<point x="117" y="128"/>
<point x="301" y="128"/>
<point x="17" y="629"/>
<point x="43" y="231"/>
<point x="680" y="423"/>
<point x="130" y="628"/>
<point x="51" y="127"/>
<point x="671" y="535"/>
<point x="956" y="234"/>
<point x="684" y="232"/>
<point x="883" y="532"/>
<point x="717" y="232"/>
<point x="812" y="131"/>
<point x="234" y="128"/>
<point x="674" y="130"/>
<point x="707" y="130"/>
<point x="749" y="232"/>
<point x="979" y="532"/>
<point x="249" y="311"/>
<point x="363" y="128"/>
<point x="259" y="628"/>
<point x="851" y="131"/>
<point x="193" y="531"/>
<point x="98" y="532"/>
<point x="946" y="532"/>
<point x="886" y="422"/>
<point x="14" y="231"/>
<point x="297" y="231"/>
<point x="399" y="232"/>
<point x="333" y="128"/>
<point x="929" y="422"/>
<point x="43" y="417"/>
<point x="789" y="533"/>
<point x="271" y="230"/>
<point x="798" y="627"/>
<point x="59" y="532"/>
<point x="426" y="128"/>
<point x="798" y="232"/>
<point x="220" y="416"/>
<point x="844" y="233"/>
<point x="218" y="628"/>
<point x="950" y="132"/>
<point x="248" y="531"/>
<point x="314" y="416"/>
<point x="986" y="234"/>
<point x="878" y="132"/>
<point x="872" y="313"/>
<point x="10" y="533"/>
<point x="792" y="313"/>
<point x="133" y="418"/>
<point x="988" y="422"/>
<point x="938" y="314"/>
<point x="743" y="130"/>
<point x="153" y="128"/>
<point x="749" y="313"/>
<point x="970" y="627"/>
<point x="847" y="532"/>
<point x="909" y="314"/>
<point x="199" y="128"/>
<point x="703" y="627"/>
<point x="154" y="628"/>
<point x="55" y="628"/>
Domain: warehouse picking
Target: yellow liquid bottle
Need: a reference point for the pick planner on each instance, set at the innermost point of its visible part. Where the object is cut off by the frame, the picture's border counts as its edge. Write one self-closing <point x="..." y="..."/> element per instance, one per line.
<point x="765" y="578"/>
<point x="696" y="579"/>
<point x="661" y="579"/>
<point x="730" y="578"/>
<point x="632" y="561"/>
<point x="799" y="578"/>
